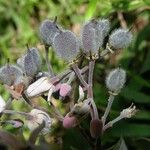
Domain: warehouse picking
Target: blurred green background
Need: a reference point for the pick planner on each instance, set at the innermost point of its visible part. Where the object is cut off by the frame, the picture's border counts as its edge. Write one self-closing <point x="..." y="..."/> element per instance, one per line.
<point x="19" y="23"/>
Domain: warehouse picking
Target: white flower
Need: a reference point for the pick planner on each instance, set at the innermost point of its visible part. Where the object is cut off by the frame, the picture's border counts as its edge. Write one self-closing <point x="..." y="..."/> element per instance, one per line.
<point x="2" y="104"/>
<point x="38" y="116"/>
<point x="38" y="87"/>
<point x="128" y="112"/>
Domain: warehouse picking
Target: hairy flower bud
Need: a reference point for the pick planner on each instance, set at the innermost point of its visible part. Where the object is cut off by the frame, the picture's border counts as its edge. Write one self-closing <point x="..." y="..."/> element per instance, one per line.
<point x="104" y="25"/>
<point x="92" y="37"/>
<point x="38" y="116"/>
<point x="9" y="74"/>
<point x="17" y="123"/>
<point x="48" y="31"/>
<point x="64" y="89"/>
<point x="116" y="80"/>
<point x="96" y="126"/>
<point x="30" y="62"/>
<point x="66" y="45"/>
<point x="69" y="121"/>
<point x="120" y="39"/>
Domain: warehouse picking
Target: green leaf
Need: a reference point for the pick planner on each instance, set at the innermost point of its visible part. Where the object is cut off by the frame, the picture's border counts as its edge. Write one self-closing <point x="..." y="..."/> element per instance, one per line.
<point x="146" y="64"/>
<point x="141" y="114"/>
<point x="138" y="79"/>
<point x="134" y="96"/>
<point x="120" y="145"/>
<point x="141" y="37"/>
<point x="73" y="140"/>
<point x="129" y="130"/>
<point x="91" y="9"/>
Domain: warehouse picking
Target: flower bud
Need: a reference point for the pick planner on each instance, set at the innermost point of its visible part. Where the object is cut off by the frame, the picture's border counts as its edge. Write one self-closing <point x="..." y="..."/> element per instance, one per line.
<point x="9" y="74"/>
<point x="30" y="62"/>
<point x="37" y="118"/>
<point x="96" y="126"/>
<point x="80" y="109"/>
<point x="69" y="121"/>
<point x="2" y="104"/>
<point x="48" y="31"/>
<point x="104" y="25"/>
<point x="64" y="89"/>
<point x="116" y="80"/>
<point x="38" y="87"/>
<point x="66" y="45"/>
<point x="81" y="94"/>
<point x="120" y="39"/>
<point x="92" y="37"/>
<point x="128" y="112"/>
<point x="17" y="123"/>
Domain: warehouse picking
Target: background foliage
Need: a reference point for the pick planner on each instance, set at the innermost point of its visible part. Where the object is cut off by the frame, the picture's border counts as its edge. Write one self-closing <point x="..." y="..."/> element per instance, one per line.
<point x="19" y="22"/>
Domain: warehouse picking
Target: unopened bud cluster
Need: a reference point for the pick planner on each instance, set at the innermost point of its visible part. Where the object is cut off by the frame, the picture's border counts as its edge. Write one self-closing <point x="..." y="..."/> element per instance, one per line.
<point x="26" y="79"/>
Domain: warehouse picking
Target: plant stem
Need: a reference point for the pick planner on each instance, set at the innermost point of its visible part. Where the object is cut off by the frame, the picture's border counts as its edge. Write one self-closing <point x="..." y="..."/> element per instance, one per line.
<point x="85" y="135"/>
<point x="8" y="103"/>
<point x="12" y="112"/>
<point x="109" y="105"/>
<point x="64" y="74"/>
<point x="98" y="144"/>
<point x="56" y="112"/>
<point x="104" y="53"/>
<point x="110" y="124"/>
<point x="90" y="89"/>
<point x="79" y="75"/>
<point x="50" y="70"/>
<point x="71" y="78"/>
<point x="27" y="100"/>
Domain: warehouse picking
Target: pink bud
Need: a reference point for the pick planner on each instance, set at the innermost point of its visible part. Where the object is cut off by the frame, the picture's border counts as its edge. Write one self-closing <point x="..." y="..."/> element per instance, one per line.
<point x="57" y="87"/>
<point x="64" y="89"/>
<point x="96" y="128"/>
<point x="69" y="122"/>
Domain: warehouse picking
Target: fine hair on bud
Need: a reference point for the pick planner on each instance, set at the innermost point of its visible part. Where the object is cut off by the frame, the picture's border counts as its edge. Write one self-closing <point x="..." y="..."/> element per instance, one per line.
<point x="9" y="74"/>
<point x="92" y="37"/>
<point x="120" y="38"/>
<point x="48" y="30"/>
<point x="116" y="80"/>
<point x="104" y="25"/>
<point x="30" y="62"/>
<point x="66" y="45"/>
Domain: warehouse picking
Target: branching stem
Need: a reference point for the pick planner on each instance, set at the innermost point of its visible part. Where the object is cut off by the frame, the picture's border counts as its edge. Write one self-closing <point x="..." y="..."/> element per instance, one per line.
<point x="109" y="105"/>
<point x="90" y="89"/>
<point x="50" y="70"/>
<point x="12" y="112"/>
<point x="79" y="75"/>
<point x="110" y="124"/>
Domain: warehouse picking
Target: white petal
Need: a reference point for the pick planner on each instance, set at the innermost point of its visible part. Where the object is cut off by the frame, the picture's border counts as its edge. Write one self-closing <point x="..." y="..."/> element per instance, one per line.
<point x="2" y="104"/>
<point x="81" y="94"/>
<point x="50" y="94"/>
<point x="41" y="85"/>
<point x="38" y="117"/>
